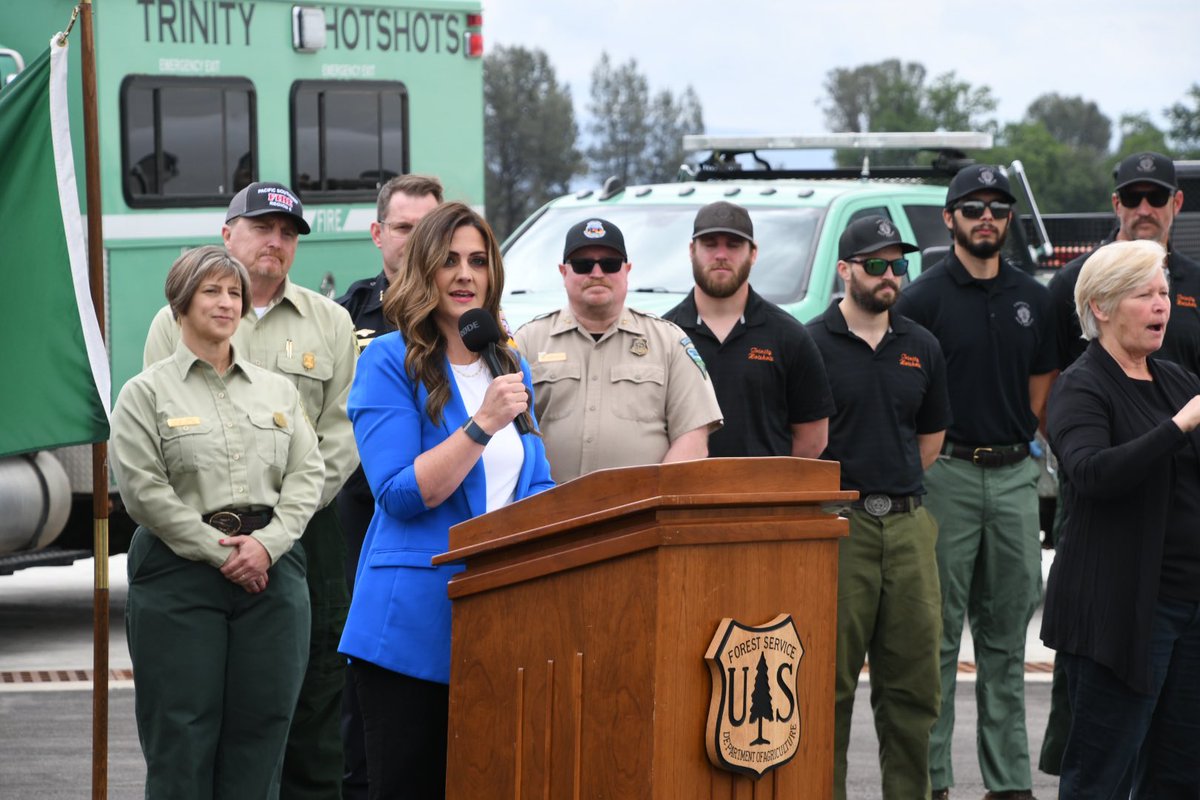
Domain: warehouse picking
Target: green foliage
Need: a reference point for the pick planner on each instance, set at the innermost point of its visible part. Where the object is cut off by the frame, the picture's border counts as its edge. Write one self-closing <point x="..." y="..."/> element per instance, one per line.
<point x="1073" y="121"/>
<point x="529" y="135"/>
<point x="1185" y="123"/>
<point x="894" y="96"/>
<point x="1064" y="178"/>
<point x="635" y="137"/>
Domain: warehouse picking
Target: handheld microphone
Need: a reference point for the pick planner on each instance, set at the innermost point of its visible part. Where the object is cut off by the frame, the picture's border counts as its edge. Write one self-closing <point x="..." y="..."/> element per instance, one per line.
<point x="480" y="333"/>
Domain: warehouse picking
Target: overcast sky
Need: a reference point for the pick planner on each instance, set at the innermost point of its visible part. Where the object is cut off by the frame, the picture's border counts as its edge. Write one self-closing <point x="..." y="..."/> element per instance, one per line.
<point x="759" y="65"/>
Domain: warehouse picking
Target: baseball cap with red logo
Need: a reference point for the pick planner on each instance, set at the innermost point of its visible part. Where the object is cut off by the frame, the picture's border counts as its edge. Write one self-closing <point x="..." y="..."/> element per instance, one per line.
<point x="267" y="198"/>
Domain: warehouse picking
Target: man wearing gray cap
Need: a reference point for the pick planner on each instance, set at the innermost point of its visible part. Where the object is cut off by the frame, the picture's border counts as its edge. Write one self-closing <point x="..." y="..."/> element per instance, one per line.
<point x="613" y="386"/>
<point x="995" y="324"/>
<point x="768" y="375"/>
<point x="309" y="339"/>
<point x="889" y="383"/>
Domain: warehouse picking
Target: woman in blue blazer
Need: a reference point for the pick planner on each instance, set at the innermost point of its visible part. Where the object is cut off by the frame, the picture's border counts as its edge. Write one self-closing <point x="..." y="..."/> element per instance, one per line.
<point x="438" y="445"/>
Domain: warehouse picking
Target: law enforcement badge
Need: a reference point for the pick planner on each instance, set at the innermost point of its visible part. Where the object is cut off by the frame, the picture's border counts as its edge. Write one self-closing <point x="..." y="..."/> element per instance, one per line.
<point x="640" y="346"/>
<point x="690" y="349"/>
<point x="594" y="230"/>
<point x="987" y="177"/>
<point x="309" y="360"/>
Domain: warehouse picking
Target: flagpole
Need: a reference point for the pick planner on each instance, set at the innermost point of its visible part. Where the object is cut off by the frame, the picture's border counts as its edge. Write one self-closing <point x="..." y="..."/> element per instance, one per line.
<point x="100" y="504"/>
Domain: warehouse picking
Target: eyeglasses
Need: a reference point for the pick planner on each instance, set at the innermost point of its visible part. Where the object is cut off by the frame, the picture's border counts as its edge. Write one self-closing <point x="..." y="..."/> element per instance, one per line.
<point x="877" y="266"/>
<point x="583" y="266"/>
<point x="1156" y="197"/>
<point x="397" y="228"/>
<point x="973" y="209"/>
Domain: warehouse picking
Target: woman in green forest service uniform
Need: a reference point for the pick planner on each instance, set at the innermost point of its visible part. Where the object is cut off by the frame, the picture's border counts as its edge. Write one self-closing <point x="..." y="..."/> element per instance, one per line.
<point x="219" y="466"/>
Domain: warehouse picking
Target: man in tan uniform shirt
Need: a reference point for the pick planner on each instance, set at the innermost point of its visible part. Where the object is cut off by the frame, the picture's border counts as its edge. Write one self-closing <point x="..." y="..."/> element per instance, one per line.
<point x="613" y="386"/>
<point x="309" y="339"/>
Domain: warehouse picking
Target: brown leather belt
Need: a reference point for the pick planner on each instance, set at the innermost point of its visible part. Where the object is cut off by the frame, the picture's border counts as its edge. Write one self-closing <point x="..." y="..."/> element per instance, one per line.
<point x="879" y="505"/>
<point x="988" y="455"/>
<point x="230" y="521"/>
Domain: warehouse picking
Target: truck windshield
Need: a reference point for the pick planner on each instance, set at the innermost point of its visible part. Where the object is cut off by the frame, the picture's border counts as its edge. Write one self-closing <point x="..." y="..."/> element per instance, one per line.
<point x="656" y="238"/>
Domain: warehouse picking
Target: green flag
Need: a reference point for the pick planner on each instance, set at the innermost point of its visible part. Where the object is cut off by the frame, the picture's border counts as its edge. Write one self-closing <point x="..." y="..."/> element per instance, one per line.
<point x="52" y="358"/>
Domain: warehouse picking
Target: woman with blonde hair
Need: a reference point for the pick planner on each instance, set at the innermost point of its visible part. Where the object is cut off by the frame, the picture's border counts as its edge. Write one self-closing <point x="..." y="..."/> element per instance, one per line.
<point x="436" y="433"/>
<point x="1123" y="598"/>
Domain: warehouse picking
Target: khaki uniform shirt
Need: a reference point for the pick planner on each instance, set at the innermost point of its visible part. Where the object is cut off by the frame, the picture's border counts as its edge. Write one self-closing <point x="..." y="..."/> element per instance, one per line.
<point x="309" y="339"/>
<point x="188" y="442"/>
<point x="617" y="402"/>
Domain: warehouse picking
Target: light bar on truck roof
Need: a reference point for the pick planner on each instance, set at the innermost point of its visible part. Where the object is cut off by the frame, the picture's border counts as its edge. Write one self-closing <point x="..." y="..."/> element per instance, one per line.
<point x="958" y="140"/>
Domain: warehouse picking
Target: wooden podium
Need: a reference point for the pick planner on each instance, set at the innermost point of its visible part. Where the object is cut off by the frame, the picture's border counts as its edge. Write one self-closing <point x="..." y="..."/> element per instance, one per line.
<point x="581" y="623"/>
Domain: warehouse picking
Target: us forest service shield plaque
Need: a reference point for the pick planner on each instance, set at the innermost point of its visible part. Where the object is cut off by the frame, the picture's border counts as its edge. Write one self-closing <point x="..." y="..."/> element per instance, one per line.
<point x="754" y="717"/>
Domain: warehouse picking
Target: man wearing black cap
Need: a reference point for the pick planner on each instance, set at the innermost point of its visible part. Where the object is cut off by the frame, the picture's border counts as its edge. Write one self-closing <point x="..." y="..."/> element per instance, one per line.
<point x="613" y="387"/>
<point x="889" y="384"/>
<point x="995" y="324"/>
<point x="308" y="338"/>
<point x="1146" y="201"/>
<point x="767" y="373"/>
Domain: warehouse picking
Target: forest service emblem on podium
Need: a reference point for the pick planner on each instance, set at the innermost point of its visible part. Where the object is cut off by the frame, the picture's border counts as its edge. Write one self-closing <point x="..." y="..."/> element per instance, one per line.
<point x="754" y="716"/>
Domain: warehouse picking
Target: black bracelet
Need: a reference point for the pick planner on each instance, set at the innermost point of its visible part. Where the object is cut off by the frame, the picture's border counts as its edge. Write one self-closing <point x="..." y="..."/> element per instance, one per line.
<point x="476" y="433"/>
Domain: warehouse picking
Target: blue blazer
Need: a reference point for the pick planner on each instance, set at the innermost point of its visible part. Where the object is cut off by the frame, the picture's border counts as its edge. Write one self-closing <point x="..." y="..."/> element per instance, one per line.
<point x="400" y="615"/>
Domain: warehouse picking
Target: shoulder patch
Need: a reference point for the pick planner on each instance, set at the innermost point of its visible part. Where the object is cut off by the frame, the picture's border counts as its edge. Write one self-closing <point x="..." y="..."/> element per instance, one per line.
<point x="690" y="349"/>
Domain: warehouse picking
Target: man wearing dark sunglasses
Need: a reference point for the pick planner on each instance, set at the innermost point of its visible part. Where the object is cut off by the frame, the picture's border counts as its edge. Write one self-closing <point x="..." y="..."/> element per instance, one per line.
<point x="767" y="373"/>
<point x="1146" y="201"/>
<point x="889" y="384"/>
<point x="613" y="386"/>
<point x="995" y="324"/>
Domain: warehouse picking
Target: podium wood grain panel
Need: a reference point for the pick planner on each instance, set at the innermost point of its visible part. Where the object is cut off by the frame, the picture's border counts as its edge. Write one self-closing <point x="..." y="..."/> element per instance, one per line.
<point x="581" y="623"/>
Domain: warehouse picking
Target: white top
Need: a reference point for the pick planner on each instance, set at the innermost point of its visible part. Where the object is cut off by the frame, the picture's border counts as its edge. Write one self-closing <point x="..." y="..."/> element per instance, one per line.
<point x="503" y="455"/>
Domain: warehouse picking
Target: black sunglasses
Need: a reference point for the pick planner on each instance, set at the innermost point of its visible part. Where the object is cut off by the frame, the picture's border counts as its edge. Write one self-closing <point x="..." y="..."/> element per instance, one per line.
<point x="1158" y="197"/>
<point x="583" y="266"/>
<point x="973" y="209"/>
<point x="877" y="266"/>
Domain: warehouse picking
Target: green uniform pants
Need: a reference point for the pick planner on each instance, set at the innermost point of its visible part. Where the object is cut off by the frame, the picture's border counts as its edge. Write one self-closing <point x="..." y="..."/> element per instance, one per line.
<point x="313" y="763"/>
<point x="989" y="562"/>
<point x="889" y="609"/>
<point x="216" y="672"/>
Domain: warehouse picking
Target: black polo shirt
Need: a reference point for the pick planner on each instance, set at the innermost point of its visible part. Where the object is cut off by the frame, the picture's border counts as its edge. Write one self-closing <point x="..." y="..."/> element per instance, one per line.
<point x="885" y="397"/>
<point x="1181" y="342"/>
<point x="768" y="376"/>
<point x="994" y="334"/>
<point x="364" y="301"/>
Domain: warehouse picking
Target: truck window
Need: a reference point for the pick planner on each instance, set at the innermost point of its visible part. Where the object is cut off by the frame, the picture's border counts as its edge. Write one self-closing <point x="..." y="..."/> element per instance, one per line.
<point x="348" y="138"/>
<point x="928" y="226"/>
<point x="186" y="141"/>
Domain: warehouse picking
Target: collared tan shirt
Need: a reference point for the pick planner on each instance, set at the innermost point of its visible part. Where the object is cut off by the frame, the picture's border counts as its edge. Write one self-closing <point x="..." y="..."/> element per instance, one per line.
<point x="309" y="339"/>
<point x="617" y="402"/>
<point x="188" y="442"/>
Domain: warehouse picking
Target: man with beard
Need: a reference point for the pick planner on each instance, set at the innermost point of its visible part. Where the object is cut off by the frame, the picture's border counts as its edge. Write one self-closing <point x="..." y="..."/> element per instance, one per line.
<point x="995" y="324"/>
<point x="613" y="386"/>
<point x="1146" y="201"/>
<point x="889" y="383"/>
<point x="309" y="339"/>
<point x="767" y="373"/>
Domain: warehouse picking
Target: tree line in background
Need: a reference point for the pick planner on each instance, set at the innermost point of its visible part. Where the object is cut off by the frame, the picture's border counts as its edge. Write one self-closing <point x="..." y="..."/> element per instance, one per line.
<point x="533" y="148"/>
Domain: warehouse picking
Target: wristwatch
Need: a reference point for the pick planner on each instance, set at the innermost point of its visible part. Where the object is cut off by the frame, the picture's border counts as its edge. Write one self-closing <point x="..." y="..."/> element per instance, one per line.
<point x="476" y="433"/>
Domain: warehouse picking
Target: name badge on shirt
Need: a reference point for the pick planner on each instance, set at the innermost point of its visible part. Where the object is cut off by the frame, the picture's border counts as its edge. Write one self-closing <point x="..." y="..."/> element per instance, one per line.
<point x="545" y="358"/>
<point x="182" y="422"/>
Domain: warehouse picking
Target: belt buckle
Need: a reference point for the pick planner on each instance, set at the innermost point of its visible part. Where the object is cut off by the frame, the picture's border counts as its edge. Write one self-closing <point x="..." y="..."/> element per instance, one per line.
<point x="978" y="452"/>
<point x="877" y="505"/>
<point x="227" y="522"/>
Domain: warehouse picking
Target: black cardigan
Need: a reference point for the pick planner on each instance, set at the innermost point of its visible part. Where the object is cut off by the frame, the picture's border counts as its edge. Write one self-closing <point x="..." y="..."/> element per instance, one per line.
<point x="1118" y="486"/>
